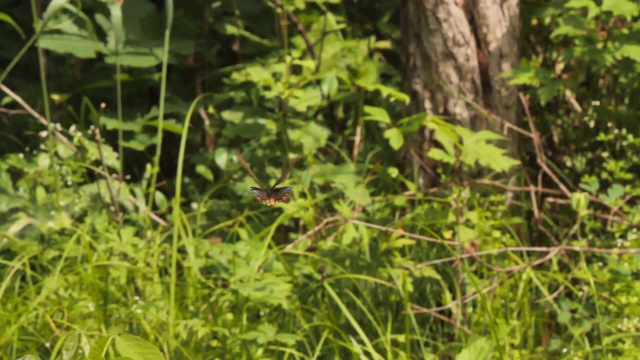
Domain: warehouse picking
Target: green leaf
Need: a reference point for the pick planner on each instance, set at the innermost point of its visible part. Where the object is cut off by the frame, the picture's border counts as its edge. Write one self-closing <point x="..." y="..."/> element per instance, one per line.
<point x="440" y="155"/>
<point x="265" y="288"/>
<point x="385" y="91"/>
<point x="479" y="349"/>
<point x="98" y="348"/>
<point x="205" y="172"/>
<point x="358" y="193"/>
<point x="75" y="345"/>
<point x="626" y="8"/>
<point x="231" y="29"/>
<point x="632" y="51"/>
<point x="375" y="113"/>
<point x="580" y="202"/>
<point x="161" y="200"/>
<point x="396" y="140"/>
<point x="590" y="186"/>
<point x="564" y="317"/>
<point x="169" y="125"/>
<point x="444" y="133"/>
<point x="428" y="272"/>
<point x="140" y="57"/>
<point x="137" y="348"/>
<point x="6" y="18"/>
<point x="311" y="135"/>
<point x="401" y="242"/>
<point x="74" y="44"/>
<point x="139" y="142"/>
<point x="614" y="193"/>
<point x="466" y="234"/>
<point x="592" y="8"/>
<point x="115" y="124"/>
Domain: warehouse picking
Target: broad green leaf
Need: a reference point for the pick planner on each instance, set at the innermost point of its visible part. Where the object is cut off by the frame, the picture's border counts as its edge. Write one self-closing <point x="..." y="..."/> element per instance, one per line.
<point x="140" y="141"/>
<point x="440" y="155"/>
<point x="412" y="124"/>
<point x="479" y="349"/>
<point x="303" y="99"/>
<point x="311" y="135"/>
<point x="394" y="135"/>
<point x="385" y="91"/>
<point x="126" y="125"/>
<point x="76" y="45"/>
<point x="161" y="200"/>
<point x="140" y="57"/>
<point x="625" y="8"/>
<point x="592" y="8"/>
<point x="564" y="316"/>
<point x="265" y="288"/>
<point x="427" y="271"/>
<point x="402" y="242"/>
<point x="590" y="186"/>
<point x="632" y="51"/>
<point x="75" y="346"/>
<point x="466" y="234"/>
<point x="614" y="193"/>
<point x="137" y="348"/>
<point x="444" y="133"/>
<point x="289" y="339"/>
<point x="579" y="202"/>
<point x="488" y="156"/>
<point x="205" y="172"/>
<point x="376" y="114"/>
<point x="358" y="193"/>
<point x="99" y="348"/>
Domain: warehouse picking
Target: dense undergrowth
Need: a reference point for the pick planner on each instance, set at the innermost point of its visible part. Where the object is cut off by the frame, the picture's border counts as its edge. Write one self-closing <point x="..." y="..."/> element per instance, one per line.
<point x="128" y="230"/>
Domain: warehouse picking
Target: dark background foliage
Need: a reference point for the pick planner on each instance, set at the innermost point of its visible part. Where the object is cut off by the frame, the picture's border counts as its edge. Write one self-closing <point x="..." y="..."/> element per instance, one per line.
<point x="128" y="228"/>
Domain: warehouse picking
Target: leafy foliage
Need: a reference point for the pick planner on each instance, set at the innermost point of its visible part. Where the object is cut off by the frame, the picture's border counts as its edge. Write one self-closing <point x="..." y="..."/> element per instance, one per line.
<point x="128" y="229"/>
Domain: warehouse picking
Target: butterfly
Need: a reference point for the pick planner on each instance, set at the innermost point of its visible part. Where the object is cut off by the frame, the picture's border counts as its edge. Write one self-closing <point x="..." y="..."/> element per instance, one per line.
<point x="274" y="194"/>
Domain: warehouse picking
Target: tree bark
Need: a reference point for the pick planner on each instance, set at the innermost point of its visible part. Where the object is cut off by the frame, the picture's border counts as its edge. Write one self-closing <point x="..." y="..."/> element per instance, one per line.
<point x="454" y="53"/>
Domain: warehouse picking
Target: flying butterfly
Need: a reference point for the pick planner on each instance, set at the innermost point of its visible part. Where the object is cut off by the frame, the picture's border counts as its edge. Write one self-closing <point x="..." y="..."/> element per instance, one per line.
<point x="274" y="194"/>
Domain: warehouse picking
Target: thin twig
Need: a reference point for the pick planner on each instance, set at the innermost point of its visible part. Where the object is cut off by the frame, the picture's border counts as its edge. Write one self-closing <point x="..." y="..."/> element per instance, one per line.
<point x="548" y="249"/>
<point x="537" y="144"/>
<point x="303" y="32"/>
<point x="40" y="118"/>
<point x="402" y="232"/>
<point x="13" y="112"/>
<point x="311" y="232"/>
<point x="114" y="199"/>
<point x="462" y="300"/>
<point x="516" y="268"/>
<point x="445" y="319"/>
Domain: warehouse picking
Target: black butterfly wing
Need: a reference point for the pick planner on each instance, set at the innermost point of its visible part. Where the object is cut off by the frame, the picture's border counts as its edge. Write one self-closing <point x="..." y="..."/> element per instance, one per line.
<point x="272" y="196"/>
<point x="260" y="194"/>
<point x="280" y="194"/>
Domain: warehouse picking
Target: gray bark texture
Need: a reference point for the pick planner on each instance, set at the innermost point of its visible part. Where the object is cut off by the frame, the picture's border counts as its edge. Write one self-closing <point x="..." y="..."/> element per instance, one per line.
<point x="454" y="54"/>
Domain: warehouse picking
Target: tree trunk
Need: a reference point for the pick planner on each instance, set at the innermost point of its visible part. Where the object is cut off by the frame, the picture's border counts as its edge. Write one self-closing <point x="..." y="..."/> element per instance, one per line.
<point x="454" y="54"/>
